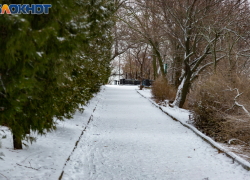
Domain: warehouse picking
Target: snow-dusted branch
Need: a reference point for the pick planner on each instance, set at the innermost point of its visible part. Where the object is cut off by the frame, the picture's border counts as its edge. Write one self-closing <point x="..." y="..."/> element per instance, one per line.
<point x="121" y="52"/>
<point x="236" y="103"/>
<point x="188" y="56"/>
<point x="204" y="66"/>
<point x="229" y="142"/>
<point x="245" y="50"/>
<point x="176" y="18"/>
<point x="201" y="58"/>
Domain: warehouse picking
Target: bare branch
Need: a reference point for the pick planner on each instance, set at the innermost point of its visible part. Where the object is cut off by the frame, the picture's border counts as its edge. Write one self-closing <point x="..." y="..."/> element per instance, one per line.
<point x="236" y="103"/>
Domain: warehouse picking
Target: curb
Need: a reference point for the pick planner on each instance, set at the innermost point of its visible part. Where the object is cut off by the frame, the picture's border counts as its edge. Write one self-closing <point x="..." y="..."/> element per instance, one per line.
<point x="234" y="157"/>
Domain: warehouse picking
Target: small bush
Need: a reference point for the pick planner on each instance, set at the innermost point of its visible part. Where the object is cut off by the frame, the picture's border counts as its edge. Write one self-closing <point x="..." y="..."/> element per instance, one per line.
<point x="161" y="90"/>
<point x="216" y="113"/>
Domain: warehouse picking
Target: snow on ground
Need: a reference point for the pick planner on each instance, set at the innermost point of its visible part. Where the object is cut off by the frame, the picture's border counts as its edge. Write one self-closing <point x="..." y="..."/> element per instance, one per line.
<point x="131" y="139"/>
<point x="45" y="158"/>
<point x="184" y="115"/>
<point x="181" y="114"/>
<point x="128" y="138"/>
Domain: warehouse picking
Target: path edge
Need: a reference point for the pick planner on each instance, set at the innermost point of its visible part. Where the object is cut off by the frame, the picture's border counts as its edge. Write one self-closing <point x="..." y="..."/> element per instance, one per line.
<point x="234" y="157"/>
<point x="80" y="137"/>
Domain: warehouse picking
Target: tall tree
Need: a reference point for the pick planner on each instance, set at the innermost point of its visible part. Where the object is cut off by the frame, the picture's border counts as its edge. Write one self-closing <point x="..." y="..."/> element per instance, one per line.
<point x="139" y="17"/>
<point x="44" y="70"/>
<point x="194" y="20"/>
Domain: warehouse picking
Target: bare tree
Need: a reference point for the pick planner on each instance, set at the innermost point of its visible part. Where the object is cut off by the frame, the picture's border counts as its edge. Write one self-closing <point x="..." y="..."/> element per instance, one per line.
<point x="141" y="56"/>
<point x="140" y="19"/>
<point x="196" y="34"/>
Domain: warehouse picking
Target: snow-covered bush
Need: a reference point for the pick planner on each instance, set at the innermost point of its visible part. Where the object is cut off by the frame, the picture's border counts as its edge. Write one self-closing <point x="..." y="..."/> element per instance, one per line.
<point x="161" y="90"/>
<point x="221" y="107"/>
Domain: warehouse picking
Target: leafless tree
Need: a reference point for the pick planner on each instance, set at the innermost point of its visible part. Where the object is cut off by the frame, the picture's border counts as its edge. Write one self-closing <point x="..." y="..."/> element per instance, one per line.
<point x="200" y="26"/>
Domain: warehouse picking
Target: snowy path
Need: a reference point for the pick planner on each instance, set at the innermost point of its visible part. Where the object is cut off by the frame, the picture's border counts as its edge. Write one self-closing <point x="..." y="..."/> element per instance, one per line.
<point x="131" y="139"/>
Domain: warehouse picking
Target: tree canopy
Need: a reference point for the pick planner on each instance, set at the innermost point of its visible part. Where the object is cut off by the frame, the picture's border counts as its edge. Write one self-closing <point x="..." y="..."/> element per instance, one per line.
<point x="51" y="64"/>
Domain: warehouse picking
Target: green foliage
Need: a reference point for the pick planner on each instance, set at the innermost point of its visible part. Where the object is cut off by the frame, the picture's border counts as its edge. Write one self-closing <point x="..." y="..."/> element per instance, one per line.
<point x="51" y="64"/>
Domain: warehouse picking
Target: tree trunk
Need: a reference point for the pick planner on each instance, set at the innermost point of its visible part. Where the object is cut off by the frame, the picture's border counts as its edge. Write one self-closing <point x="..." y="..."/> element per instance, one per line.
<point x="182" y="91"/>
<point x="160" y="63"/>
<point x="155" y="46"/>
<point x="154" y="66"/>
<point x="183" y="88"/>
<point x="17" y="142"/>
<point x="141" y="84"/>
<point x="177" y="71"/>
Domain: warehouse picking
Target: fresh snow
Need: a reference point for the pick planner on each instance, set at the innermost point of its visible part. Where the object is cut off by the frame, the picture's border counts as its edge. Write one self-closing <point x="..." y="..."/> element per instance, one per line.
<point x="61" y="38"/>
<point x="126" y="138"/>
<point x="44" y="159"/>
<point x="40" y="53"/>
<point x="184" y="116"/>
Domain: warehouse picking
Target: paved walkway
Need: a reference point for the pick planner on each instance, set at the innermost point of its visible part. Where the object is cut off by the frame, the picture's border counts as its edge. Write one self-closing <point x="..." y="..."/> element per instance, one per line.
<point x="131" y="139"/>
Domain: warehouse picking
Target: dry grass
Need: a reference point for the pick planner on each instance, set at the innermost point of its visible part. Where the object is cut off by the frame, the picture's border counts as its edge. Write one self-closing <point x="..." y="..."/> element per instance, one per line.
<point x="216" y="113"/>
<point x="161" y="90"/>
